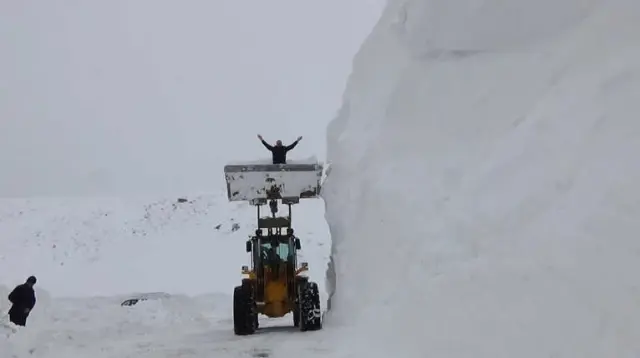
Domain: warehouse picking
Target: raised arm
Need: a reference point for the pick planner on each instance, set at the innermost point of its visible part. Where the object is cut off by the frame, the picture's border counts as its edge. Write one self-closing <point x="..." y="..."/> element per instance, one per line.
<point x="293" y="145"/>
<point x="265" y="143"/>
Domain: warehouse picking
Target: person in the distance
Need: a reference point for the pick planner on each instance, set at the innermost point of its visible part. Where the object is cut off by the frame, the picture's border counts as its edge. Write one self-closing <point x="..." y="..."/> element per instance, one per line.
<point x="23" y="299"/>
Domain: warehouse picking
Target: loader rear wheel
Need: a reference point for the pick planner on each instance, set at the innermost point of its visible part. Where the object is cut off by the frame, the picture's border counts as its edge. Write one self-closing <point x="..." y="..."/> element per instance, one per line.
<point x="245" y="316"/>
<point x="301" y="281"/>
<point x="309" y="307"/>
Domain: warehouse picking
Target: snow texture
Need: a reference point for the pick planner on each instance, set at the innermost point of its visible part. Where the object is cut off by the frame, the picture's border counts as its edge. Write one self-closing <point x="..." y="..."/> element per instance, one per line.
<point x="483" y="196"/>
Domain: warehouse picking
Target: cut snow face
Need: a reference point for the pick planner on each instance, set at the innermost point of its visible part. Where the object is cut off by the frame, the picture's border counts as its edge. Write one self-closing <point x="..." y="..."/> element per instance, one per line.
<point x="482" y="198"/>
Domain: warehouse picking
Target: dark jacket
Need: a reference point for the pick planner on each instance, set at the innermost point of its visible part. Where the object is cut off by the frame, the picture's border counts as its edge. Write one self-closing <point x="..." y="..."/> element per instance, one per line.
<point x="279" y="153"/>
<point x="22" y="297"/>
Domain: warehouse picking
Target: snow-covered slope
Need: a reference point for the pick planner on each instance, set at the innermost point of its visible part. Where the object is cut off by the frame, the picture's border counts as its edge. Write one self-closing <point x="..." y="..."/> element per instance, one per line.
<point x="92" y="254"/>
<point x="483" y="196"/>
<point x="101" y="246"/>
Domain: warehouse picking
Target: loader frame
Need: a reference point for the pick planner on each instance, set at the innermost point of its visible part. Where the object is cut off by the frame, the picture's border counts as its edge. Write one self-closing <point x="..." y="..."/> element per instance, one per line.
<point x="273" y="284"/>
<point x="275" y="231"/>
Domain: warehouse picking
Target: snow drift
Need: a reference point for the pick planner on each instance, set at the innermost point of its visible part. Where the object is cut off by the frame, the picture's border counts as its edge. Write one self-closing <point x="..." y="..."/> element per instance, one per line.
<point x="483" y="193"/>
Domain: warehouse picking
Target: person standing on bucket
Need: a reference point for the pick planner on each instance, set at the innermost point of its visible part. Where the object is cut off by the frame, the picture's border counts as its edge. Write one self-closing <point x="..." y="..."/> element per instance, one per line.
<point x="23" y="299"/>
<point x="279" y="151"/>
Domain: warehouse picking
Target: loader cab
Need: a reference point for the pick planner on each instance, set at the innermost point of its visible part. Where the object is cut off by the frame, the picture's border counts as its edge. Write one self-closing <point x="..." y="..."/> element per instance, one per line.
<point x="276" y="249"/>
<point x="275" y="246"/>
<point x="273" y="252"/>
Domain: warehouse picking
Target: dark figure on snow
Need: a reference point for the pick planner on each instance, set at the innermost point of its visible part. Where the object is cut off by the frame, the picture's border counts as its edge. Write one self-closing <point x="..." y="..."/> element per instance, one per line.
<point x="23" y="299"/>
<point x="279" y="151"/>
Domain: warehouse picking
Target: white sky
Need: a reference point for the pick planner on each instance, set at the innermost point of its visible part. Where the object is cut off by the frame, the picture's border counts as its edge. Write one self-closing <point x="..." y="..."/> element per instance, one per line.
<point x="122" y="97"/>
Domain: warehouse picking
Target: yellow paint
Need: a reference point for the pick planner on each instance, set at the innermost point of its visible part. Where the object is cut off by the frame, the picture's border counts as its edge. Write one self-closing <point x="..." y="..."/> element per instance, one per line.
<point x="276" y="300"/>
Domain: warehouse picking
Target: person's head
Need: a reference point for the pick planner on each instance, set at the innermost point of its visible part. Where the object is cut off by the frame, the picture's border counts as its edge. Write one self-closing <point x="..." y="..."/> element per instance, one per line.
<point x="279" y="143"/>
<point x="31" y="281"/>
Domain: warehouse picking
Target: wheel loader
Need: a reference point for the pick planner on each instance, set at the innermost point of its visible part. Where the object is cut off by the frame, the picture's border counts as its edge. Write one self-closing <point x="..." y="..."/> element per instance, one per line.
<point x="275" y="283"/>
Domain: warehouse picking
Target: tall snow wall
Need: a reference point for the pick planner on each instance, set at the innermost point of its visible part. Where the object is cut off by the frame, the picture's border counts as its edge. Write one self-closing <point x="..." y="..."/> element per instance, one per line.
<point x="483" y="195"/>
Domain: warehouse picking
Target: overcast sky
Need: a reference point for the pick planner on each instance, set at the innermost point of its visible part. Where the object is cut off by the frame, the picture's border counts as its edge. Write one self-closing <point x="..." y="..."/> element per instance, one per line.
<point x="121" y="97"/>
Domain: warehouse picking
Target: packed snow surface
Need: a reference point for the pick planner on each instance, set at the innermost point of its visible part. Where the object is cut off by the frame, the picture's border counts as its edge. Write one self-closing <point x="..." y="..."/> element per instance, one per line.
<point x="483" y="195"/>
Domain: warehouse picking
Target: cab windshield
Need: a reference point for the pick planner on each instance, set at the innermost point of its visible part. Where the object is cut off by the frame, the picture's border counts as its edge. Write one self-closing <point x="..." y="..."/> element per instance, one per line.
<point x="280" y="251"/>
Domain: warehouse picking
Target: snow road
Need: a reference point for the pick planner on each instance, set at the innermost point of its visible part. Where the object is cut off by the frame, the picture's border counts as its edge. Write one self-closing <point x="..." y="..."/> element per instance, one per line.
<point x="177" y="326"/>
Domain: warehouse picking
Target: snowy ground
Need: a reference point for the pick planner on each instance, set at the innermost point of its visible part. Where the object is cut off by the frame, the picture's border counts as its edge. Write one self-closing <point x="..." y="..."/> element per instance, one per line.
<point x="178" y="326"/>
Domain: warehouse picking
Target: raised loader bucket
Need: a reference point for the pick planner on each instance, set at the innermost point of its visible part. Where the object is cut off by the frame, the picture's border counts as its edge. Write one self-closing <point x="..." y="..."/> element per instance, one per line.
<point x="246" y="182"/>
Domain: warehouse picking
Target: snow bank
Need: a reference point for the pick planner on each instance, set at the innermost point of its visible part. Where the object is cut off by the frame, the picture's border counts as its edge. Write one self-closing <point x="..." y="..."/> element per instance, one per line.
<point x="102" y="246"/>
<point x="483" y="193"/>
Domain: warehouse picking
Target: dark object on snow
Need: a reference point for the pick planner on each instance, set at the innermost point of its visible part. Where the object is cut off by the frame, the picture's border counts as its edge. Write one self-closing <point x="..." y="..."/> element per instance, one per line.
<point x="132" y="301"/>
<point x="279" y="151"/>
<point x="23" y="299"/>
<point x="144" y="297"/>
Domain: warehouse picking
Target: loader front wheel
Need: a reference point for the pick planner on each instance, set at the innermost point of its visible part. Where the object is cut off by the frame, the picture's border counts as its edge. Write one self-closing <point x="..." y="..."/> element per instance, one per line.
<point x="244" y="311"/>
<point x="309" y="307"/>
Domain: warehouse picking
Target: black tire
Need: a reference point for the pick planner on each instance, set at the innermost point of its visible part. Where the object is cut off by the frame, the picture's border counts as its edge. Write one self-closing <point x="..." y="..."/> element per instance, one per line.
<point x="301" y="281"/>
<point x="245" y="316"/>
<point x="310" y="315"/>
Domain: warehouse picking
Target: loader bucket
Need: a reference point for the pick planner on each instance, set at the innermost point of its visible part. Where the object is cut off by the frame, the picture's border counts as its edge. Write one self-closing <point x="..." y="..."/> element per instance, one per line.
<point x="250" y="182"/>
